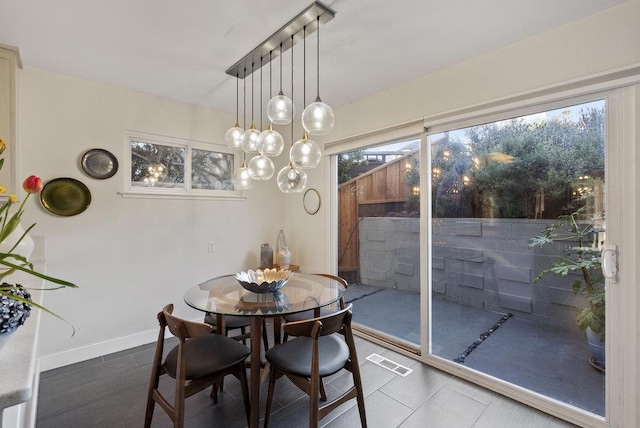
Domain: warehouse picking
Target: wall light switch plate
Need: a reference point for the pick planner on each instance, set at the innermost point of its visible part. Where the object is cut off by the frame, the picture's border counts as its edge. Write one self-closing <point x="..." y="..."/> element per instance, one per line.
<point x="212" y="247"/>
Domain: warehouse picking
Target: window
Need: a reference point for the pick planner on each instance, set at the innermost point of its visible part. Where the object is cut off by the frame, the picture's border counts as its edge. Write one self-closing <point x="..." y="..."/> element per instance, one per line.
<point x="174" y="168"/>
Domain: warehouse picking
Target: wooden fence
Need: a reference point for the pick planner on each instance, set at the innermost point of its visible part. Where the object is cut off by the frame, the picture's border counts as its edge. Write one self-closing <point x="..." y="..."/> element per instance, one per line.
<point x="380" y="192"/>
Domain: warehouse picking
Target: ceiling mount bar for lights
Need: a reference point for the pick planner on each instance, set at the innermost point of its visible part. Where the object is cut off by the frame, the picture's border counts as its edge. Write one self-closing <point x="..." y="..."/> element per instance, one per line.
<point x="317" y="14"/>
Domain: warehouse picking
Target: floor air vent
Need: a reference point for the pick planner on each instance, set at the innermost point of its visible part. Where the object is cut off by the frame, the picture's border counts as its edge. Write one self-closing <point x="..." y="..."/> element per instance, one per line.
<point x="389" y="365"/>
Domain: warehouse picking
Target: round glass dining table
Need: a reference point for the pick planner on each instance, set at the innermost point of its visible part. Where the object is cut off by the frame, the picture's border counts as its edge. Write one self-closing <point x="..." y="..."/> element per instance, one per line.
<point x="225" y="296"/>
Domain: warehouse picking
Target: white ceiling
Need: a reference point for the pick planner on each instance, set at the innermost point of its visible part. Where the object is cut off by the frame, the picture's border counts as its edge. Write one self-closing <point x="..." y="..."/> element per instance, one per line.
<point x="181" y="49"/>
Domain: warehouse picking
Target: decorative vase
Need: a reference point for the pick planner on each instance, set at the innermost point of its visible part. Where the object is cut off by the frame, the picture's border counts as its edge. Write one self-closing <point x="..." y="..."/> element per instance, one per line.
<point x="266" y="256"/>
<point x="24" y="247"/>
<point x="283" y="254"/>
<point x="13" y="313"/>
<point x="281" y="242"/>
<point x="284" y="258"/>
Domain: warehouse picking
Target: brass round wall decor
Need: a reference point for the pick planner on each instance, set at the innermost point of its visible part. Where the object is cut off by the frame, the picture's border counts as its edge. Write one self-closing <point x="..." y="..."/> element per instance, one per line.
<point x="65" y="196"/>
<point x="311" y="201"/>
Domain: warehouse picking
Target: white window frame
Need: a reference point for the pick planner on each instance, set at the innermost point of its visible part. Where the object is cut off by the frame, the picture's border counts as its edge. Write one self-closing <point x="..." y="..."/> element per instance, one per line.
<point x="131" y="191"/>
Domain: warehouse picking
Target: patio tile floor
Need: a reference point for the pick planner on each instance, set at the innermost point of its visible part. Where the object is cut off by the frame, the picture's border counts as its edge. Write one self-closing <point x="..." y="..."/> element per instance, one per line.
<point x="546" y="359"/>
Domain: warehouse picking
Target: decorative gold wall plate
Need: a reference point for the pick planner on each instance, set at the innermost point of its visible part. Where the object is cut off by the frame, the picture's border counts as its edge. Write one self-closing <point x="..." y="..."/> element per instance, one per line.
<point x="65" y="196"/>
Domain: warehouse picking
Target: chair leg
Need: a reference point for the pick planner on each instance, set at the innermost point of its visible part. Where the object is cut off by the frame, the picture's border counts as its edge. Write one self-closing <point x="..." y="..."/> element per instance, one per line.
<point x="149" y="413"/>
<point x="265" y="338"/>
<point x="313" y="402"/>
<point x="245" y="390"/>
<point x="272" y="384"/>
<point x="154" y="381"/>
<point x="214" y="392"/>
<point x="357" y="380"/>
<point x="323" y="392"/>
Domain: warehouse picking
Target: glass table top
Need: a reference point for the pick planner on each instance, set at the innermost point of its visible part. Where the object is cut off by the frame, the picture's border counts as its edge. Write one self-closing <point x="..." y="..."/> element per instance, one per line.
<point x="224" y="295"/>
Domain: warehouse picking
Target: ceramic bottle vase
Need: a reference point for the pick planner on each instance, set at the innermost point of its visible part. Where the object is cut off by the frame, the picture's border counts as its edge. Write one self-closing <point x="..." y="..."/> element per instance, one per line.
<point x="283" y="255"/>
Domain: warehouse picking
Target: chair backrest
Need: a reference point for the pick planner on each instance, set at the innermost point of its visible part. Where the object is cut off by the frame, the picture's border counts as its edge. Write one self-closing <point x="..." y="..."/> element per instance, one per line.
<point x="181" y="328"/>
<point x="320" y="326"/>
<point x="339" y="279"/>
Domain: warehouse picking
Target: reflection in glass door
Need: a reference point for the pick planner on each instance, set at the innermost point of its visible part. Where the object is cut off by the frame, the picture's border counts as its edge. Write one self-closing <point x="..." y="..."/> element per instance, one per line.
<point x="517" y="219"/>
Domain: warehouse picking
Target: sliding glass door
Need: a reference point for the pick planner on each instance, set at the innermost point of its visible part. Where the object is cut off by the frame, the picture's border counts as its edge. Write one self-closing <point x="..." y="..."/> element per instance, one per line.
<point x="517" y="218"/>
<point x="379" y="239"/>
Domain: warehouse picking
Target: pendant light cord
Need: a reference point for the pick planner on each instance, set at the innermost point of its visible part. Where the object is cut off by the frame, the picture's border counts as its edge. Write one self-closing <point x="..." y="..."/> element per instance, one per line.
<point x="291" y="87"/>
<point x="270" y="77"/>
<point x="281" y="67"/>
<point x="261" y="93"/>
<point x="237" y="99"/>
<point x="304" y="66"/>
<point x="244" y="100"/>
<point x="252" y="91"/>
<point x="318" y="60"/>
<point x="244" y="110"/>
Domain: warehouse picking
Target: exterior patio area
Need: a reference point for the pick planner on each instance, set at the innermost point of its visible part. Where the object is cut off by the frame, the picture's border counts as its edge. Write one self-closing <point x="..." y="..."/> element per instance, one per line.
<point x="549" y="360"/>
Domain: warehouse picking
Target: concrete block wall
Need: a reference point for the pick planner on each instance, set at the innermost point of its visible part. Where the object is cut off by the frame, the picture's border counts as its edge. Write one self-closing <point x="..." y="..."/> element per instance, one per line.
<point x="484" y="263"/>
<point x="390" y="252"/>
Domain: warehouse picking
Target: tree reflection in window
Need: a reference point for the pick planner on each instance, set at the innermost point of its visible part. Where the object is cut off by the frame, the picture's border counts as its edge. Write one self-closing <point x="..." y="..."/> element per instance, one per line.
<point x="156" y="165"/>
<point x="211" y="170"/>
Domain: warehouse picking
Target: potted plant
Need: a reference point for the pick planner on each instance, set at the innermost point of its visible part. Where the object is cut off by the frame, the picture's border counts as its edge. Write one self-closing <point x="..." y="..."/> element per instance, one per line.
<point x="584" y="258"/>
<point x="15" y="300"/>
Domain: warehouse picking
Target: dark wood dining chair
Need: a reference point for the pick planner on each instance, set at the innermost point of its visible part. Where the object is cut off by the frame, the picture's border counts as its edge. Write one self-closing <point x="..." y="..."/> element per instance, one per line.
<point x="232" y="322"/>
<point x="200" y="360"/>
<point x="317" y="351"/>
<point x="305" y="315"/>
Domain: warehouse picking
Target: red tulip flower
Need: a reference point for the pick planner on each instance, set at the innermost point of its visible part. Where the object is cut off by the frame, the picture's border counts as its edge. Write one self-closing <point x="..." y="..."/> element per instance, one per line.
<point x="32" y="184"/>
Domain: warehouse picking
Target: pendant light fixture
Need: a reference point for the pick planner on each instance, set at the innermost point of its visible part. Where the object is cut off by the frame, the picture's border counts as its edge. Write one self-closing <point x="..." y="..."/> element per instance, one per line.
<point x="260" y="166"/>
<point x="250" y="136"/>
<point x="233" y="137"/>
<point x="280" y="107"/>
<point x="241" y="179"/>
<point x="292" y="178"/>
<point x="270" y="142"/>
<point x="305" y="153"/>
<point x="318" y="118"/>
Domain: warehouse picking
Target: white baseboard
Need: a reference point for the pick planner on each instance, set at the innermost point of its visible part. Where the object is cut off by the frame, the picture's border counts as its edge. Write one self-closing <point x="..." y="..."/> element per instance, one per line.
<point x="72" y="356"/>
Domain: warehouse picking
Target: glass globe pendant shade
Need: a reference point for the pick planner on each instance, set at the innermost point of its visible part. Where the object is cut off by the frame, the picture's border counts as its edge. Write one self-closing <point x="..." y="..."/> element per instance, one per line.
<point x="318" y="118"/>
<point x="261" y="167"/>
<point x="292" y="179"/>
<point x="270" y="142"/>
<point x="305" y="153"/>
<point x="233" y="137"/>
<point x="242" y="179"/>
<point x="249" y="139"/>
<point x="280" y="109"/>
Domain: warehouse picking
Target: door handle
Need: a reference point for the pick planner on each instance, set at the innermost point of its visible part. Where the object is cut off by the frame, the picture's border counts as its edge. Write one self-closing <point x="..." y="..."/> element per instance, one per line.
<point x="609" y="264"/>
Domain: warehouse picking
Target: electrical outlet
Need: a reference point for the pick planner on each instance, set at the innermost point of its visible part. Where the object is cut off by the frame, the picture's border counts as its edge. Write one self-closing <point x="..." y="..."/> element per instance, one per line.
<point x="212" y="247"/>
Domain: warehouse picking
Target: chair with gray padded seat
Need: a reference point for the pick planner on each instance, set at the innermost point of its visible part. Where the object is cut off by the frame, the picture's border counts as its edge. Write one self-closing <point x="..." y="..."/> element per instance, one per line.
<point x="200" y="360"/>
<point x="322" y="346"/>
